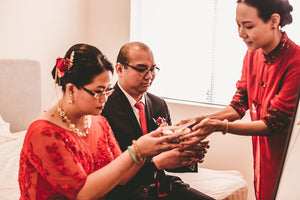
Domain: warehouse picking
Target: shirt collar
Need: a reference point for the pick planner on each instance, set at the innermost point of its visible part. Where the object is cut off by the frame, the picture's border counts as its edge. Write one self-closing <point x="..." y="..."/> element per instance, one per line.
<point x="278" y="51"/>
<point x="131" y="100"/>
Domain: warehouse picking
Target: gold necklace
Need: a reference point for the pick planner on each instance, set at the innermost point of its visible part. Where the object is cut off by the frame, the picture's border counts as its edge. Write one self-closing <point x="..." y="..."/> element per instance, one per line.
<point x="72" y="126"/>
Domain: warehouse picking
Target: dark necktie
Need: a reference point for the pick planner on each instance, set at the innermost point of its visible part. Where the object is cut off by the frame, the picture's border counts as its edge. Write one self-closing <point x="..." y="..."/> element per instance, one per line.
<point x="141" y="108"/>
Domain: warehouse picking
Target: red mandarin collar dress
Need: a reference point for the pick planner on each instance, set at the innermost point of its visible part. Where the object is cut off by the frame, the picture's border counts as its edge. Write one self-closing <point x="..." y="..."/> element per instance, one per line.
<point x="268" y="87"/>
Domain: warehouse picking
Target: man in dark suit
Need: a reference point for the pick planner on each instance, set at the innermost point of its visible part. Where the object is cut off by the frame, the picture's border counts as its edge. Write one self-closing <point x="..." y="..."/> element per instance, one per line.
<point x="136" y="71"/>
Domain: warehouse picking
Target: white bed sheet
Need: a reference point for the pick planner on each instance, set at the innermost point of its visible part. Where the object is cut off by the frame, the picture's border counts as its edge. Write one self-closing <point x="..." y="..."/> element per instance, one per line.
<point x="10" y="148"/>
<point x="221" y="185"/>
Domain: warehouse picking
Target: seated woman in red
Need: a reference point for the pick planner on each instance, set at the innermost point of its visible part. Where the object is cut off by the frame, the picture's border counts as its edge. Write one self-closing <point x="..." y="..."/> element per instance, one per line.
<point x="70" y="151"/>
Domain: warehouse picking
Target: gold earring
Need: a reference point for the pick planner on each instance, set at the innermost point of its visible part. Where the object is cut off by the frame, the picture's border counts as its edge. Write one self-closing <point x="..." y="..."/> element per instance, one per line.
<point x="70" y="100"/>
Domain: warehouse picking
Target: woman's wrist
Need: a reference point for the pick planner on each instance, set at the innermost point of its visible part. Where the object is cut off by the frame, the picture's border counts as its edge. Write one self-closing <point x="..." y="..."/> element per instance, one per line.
<point x="156" y="163"/>
<point x="135" y="153"/>
<point x="132" y="155"/>
<point x="140" y="156"/>
<point x="226" y="126"/>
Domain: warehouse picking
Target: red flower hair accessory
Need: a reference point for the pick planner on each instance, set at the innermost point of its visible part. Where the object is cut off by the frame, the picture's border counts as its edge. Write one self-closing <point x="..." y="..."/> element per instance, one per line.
<point x="64" y="65"/>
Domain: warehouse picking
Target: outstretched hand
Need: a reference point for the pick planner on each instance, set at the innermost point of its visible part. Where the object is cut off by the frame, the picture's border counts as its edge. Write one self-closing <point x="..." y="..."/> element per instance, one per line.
<point x="201" y="130"/>
<point x="198" y="120"/>
<point x="176" y="158"/>
<point x="154" y="143"/>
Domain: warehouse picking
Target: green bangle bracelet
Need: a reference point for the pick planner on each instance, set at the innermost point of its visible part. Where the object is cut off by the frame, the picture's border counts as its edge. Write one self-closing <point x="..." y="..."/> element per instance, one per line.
<point x="132" y="155"/>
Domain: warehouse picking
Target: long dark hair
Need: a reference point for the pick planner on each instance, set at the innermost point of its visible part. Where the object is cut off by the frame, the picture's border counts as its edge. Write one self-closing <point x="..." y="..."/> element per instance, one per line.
<point x="268" y="7"/>
<point x="88" y="61"/>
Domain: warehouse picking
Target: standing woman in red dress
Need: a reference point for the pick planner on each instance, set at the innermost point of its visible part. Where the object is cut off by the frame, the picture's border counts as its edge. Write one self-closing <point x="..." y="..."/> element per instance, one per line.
<point x="268" y="88"/>
<point x="70" y="151"/>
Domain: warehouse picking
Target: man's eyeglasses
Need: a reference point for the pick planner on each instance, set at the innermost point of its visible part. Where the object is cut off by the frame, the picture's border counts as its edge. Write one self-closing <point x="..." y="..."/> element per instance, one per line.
<point x="143" y="70"/>
<point x="99" y="94"/>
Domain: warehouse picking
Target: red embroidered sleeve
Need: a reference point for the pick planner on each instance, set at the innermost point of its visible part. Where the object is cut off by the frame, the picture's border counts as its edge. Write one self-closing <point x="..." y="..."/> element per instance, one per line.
<point x="58" y="161"/>
<point x="112" y="141"/>
<point x="276" y="118"/>
<point x="240" y="101"/>
<point x="107" y="146"/>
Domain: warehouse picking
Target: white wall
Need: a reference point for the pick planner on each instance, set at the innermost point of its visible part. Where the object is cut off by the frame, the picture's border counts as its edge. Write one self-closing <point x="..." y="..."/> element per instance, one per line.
<point x="109" y="23"/>
<point x="41" y="30"/>
<point x="44" y="29"/>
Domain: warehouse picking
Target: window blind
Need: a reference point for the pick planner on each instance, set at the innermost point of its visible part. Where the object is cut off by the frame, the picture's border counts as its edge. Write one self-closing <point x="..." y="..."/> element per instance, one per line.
<point x="195" y="44"/>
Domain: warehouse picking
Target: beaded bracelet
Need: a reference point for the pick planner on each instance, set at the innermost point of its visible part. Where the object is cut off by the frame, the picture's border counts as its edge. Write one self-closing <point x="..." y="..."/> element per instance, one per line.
<point x="132" y="155"/>
<point x="138" y="153"/>
<point x="226" y="128"/>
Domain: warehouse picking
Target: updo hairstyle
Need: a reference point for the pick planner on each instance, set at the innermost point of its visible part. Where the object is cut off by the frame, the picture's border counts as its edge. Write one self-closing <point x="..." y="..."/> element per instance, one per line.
<point x="88" y="62"/>
<point x="268" y="7"/>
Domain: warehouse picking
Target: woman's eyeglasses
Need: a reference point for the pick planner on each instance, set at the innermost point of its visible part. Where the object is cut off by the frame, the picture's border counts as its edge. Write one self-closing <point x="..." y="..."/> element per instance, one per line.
<point x="143" y="71"/>
<point x="99" y="94"/>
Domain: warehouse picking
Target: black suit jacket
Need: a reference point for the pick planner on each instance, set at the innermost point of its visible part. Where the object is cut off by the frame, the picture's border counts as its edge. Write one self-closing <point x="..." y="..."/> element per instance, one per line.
<point x="126" y="128"/>
<point x="122" y="120"/>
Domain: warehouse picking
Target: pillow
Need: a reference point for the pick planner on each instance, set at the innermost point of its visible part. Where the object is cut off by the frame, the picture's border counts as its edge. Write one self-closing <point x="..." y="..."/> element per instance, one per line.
<point x="5" y="134"/>
<point x="4" y="126"/>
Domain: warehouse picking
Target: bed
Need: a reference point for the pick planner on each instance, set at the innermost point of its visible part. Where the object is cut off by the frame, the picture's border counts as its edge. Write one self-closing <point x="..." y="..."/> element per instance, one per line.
<point x="219" y="184"/>
<point x="20" y="104"/>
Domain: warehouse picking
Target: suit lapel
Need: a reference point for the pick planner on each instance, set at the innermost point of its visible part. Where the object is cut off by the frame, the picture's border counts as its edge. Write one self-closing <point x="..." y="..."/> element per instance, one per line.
<point x="126" y="108"/>
<point x="149" y="113"/>
<point x="148" y="108"/>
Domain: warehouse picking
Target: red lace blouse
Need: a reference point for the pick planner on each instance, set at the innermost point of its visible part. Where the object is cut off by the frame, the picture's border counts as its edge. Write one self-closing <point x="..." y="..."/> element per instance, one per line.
<point x="55" y="162"/>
